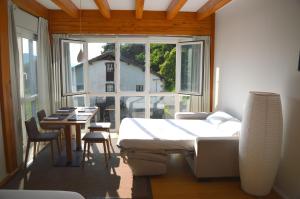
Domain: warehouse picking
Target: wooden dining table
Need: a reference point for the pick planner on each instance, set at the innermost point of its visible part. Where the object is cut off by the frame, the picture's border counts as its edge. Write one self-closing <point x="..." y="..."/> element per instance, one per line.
<point x="69" y="117"/>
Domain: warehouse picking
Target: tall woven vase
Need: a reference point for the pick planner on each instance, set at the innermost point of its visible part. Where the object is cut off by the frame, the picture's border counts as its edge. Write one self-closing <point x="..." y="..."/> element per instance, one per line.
<point x="260" y="142"/>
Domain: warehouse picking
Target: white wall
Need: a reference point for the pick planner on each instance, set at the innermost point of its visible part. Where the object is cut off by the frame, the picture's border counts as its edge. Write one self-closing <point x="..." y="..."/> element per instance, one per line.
<point x="130" y="77"/>
<point x="2" y="157"/>
<point x="257" y="48"/>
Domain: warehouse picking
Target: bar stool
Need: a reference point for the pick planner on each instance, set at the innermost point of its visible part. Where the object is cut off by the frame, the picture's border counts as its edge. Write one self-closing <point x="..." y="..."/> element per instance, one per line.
<point x="102" y="126"/>
<point x="95" y="137"/>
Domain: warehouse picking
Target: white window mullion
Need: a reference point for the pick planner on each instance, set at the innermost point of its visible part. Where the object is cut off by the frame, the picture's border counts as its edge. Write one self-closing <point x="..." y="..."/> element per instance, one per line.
<point x="85" y="75"/>
<point x="178" y="68"/>
<point x="147" y="81"/>
<point x="117" y="85"/>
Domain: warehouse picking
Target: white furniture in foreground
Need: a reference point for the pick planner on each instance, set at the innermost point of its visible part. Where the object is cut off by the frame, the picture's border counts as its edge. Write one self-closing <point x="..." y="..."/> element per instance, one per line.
<point x="38" y="194"/>
<point x="210" y="143"/>
<point x="260" y="142"/>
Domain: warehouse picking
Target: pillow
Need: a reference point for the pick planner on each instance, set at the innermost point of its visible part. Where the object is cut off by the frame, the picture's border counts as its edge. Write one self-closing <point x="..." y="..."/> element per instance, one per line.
<point x="191" y="115"/>
<point x="231" y="127"/>
<point x="218" y="117"/>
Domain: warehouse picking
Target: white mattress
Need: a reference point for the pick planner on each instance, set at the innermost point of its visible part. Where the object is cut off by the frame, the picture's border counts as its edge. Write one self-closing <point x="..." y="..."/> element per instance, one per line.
<point x="170" y="134"/>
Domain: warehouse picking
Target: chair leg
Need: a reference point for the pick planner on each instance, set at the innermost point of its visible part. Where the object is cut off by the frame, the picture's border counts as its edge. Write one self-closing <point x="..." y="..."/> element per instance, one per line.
<point x="88" y="150"/>
<point x="27" y="152"/>
<point x="104" y="147"/>
<point x="34" y="150"/>
<point x="112" y="147"/>
<point x="38" y="147"/>
<point x="83" y="155"/>
<point x="58" y="146"/>
<point x="107" y="144"/>
<point x="52" y="155"/>
<point x="61" y="137"/>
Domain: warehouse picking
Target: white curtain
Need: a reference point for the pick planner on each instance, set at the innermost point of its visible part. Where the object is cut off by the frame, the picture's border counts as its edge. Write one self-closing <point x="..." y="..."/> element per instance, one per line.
<point x="57" y="100"/>
<point x="15" y="84"/>
<point x="43" y="65"/>
<point x="202" y="103"/>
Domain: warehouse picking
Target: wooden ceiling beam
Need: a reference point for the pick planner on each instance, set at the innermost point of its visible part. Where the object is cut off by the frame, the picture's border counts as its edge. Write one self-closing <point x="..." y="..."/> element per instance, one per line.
<point x="32" y="7"/>
<point x="103" y="8"/>
<point x="210" y="7"/>
<point x="174" y="8"/>
<point x="125" y="22"/>
<point x="68" y="7"/>
<point x="139" y="8"/>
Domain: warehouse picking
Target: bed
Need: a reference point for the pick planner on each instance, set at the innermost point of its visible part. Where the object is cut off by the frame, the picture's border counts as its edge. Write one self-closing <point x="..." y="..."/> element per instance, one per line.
<point x="32" y="194"/>
<point x="146" y="143"/>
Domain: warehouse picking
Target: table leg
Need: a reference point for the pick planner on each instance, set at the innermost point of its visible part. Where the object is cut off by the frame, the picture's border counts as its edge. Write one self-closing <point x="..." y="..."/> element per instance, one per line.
<point x="68" y="144"/>
<point x="78" y="138"/>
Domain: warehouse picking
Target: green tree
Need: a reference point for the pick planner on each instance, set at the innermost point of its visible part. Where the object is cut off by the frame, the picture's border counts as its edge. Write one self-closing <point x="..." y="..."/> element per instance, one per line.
<point x="167" y="69"/>
<point x="162" y="58"/>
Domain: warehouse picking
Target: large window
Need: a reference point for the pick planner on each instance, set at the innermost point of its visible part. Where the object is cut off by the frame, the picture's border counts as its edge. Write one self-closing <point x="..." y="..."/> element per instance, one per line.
<point x="133" y="77"/>
<point x="27" y="45"/>
<point x="29" y="91"/>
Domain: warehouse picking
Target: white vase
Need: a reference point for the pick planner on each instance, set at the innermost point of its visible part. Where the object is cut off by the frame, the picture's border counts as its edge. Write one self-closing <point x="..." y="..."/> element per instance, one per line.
<point x="260" y="142"/>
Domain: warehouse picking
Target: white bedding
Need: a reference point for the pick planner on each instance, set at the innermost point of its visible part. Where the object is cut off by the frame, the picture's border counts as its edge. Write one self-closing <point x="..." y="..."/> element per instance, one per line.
<point x="171" y="134"/>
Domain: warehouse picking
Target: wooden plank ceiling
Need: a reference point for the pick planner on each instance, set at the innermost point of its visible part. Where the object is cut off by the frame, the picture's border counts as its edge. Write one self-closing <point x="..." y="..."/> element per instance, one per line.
<point x="71" y="19"/>
<point x="37" y="9"/>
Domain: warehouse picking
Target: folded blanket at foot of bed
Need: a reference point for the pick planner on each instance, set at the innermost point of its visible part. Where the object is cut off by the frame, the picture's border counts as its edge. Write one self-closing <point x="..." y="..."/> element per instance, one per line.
<point x="145" y="163"/>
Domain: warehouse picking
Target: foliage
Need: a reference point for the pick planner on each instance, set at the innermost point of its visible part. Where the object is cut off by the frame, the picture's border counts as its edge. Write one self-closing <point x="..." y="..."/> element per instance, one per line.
<point x="162" y="58"/>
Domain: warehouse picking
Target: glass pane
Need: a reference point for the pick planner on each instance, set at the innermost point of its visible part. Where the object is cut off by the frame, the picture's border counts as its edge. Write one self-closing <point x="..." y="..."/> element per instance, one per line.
<point x="191" y="68"/>
<point x="29" y="55"/>
<point x="106" y="111"/>
<point x="30" y="108"/>
<point x="101" y="67"/>
<point x="163" y="66"/>
<point x="78" y="101"/>
<point x="185" y="101"/>
<point x="72" y="60"/>
<point x="133" y="107"/>
<point x="162" y="107"/>
<point x="132" y="61"/>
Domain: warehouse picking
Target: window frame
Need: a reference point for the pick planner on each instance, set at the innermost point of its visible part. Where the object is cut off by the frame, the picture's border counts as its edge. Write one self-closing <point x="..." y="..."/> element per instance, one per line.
<point x="118" y="94"/>
<point x="64" y="91"/>
<point x="201" y="75"/>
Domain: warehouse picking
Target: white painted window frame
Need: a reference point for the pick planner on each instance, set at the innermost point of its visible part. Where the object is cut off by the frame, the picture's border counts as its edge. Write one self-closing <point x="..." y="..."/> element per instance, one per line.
<point x="147" y="94"/>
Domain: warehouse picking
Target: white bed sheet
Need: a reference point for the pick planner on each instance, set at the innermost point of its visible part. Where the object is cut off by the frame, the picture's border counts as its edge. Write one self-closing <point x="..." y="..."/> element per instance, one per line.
<point x="171" y="134"/>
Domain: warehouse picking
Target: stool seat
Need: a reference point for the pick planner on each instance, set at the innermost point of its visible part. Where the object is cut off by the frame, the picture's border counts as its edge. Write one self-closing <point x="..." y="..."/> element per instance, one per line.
<point x="97" y="136"/>
<point x="100" y="125"/>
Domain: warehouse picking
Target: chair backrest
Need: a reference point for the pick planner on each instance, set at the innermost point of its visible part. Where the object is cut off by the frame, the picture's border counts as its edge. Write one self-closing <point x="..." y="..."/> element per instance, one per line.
<point x="31" y="128"/>
<point x="41" y="115"/>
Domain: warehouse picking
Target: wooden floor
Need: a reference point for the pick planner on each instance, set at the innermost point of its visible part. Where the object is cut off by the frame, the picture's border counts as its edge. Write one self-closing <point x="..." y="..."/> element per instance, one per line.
<point x="180" y="183"/>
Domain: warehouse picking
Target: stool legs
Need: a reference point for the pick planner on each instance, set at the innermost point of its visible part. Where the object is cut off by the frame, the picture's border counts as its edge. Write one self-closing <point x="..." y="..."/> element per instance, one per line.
<point x="87" y="150"/>
<point x="104" y="147"/>
<point x="107" y="144"/>
<point x="52" y="154"/>
<point x="83" y="156"/>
